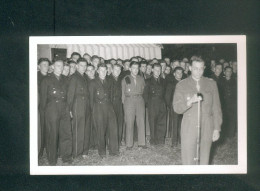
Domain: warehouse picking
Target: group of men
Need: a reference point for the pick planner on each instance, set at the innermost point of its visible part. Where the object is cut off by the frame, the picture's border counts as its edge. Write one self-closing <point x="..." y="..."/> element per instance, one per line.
<point x="88" y="102"/>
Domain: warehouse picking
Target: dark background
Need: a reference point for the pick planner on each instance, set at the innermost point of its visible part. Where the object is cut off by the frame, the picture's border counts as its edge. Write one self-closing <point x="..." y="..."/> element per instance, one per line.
<point x="21" y="19"/>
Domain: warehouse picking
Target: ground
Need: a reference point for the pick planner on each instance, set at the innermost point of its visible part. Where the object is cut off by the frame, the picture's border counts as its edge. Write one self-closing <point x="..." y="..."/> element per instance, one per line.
<point x="222" y="154"/>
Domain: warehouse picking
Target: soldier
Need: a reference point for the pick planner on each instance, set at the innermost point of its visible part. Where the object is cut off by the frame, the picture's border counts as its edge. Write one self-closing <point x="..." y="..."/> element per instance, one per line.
<point x="126" y="71"/>
<point x="175" y="118"/>
<point x="148" y="72"/>
<point x="154" y="98"/>
<point x="75" y="56"/>
<point x="90" y="75"/>
<point x="174" y="64"/>
<point x="142" y="70"/>
<point x="95" y="60"/>
<point x="78" y="101"/>
<point x="185" y="102"/>
<point x="167" y="70"/>
<point x="72" y="65"/>
<point x="87" y="57"/>
<point x="43" y="65"/>
<point x="66" y="70"/>
<point x="103" y="113"/>
<point x="229" y="93"/>
<point x="132" y="98"/>
<point x="109" y="69"/>
<point x="217" y="75"/>
<point x="163" y="65"/>
<point x="53" y="103"/>
<point x="117" y="99"/>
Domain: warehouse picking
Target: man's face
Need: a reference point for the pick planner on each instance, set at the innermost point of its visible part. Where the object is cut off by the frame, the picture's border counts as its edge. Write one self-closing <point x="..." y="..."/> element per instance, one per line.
<point x="167" y="60"/>
<point x="183" y="65"/>
<point x="175" y="64"/>
<point x="197" y="69"/>
<point x="66" y="70"/>
<point x="187" y="68"/>
<point x="134" y="69"/>
<point x="167" y="70"/>
<point x="156" y="71"/>
<point x="58" y="67"/>
<point x="120" y="62"/>
<point x="72" y="68"/>
<point x="116" y="71"/>
<point x="109" y="69"/>
<point x="218" y="70"/>
<point x="95" y="62"/>
<point x="44" y="67"/>
<point x="90" y="72"/>
<point x="81" y="67"/>
<point x="149" y="69"/>
<point x="212" y="65"/>
<point x="75" y="58"/>
<point x="178" y="74"/>
<point x="87" y="58"/>
<point x="126" y="65"/>
<point x="135" y="59"/>
<point x="234" y="65"/>
<point x="163" y="65"/>
<point x="50" y="69"/>
<point x="102" y="72"/>
<point x="225" y="64"/>
<point x="143" y="68"/>
<point x="228" y="72"/>
<point x="113" y="62"/>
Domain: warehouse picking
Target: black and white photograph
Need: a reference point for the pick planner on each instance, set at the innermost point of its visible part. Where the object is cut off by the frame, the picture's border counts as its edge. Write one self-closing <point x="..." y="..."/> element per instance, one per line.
<point x="138" y="105"/>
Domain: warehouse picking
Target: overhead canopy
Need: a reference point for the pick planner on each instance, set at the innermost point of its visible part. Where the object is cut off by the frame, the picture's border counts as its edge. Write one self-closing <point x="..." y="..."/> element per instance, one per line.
<point x="108" y="51"/>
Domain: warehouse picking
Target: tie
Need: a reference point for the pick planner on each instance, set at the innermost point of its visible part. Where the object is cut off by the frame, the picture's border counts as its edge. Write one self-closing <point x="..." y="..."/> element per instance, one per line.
<point x="198" y="86"/>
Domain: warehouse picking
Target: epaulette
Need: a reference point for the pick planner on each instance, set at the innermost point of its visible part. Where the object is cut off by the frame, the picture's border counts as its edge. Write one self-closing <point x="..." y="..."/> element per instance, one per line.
<point x="127" y="80"/>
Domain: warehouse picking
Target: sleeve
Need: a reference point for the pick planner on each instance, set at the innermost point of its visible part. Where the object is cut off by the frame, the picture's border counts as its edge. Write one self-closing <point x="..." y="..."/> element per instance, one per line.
<point x="146" y="92"/>
<point x="91" y="94"/>
<point x="179" y="101"/>
<point x="123" y="90"/>
<point x="43" y="94"/>
<point x="216" y="107"/>
<point x="168" y="94"/>
<point x="71" y="92"/>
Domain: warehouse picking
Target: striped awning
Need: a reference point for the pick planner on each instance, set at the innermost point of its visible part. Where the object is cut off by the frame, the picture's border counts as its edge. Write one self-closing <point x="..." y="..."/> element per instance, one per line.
<point x="108" y="51"/>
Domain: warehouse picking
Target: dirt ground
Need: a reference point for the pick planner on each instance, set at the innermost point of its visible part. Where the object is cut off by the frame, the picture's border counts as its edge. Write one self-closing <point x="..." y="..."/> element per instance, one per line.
<point x="222" y="154"/>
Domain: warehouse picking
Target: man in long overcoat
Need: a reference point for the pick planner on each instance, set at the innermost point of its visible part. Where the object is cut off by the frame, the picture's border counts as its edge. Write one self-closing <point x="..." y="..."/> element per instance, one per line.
<point x="185" y="102"/>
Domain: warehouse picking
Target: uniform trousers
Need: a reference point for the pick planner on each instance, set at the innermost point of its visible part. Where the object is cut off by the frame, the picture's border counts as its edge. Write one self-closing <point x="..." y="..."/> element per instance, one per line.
<point x="81" y="127"/>
<point x="118" y="108"/>
<point x="58" y="132"/>
<point x="106" y="124"/>
<point x="134" y="108"/>
<point x="157" y="120"/>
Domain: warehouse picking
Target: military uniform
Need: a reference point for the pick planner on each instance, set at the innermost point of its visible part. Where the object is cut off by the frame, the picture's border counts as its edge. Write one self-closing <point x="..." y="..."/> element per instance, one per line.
<point x="175" y="118"/>
<point x="211" y="117"/>
<point x="154" y="97"/>
<point x="41" y="124"/>
<point x="93" y="129"/>
<point x="229" y="93"/>
<point x="117" y="104"/>
<point x="134" y="108"/>
<point x="78" y="101"/>
<point x="53" y="102"/>
<point x="104" y="115"/>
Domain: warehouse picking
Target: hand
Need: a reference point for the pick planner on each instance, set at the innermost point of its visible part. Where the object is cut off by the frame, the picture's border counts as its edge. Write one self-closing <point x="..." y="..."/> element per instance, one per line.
<point x="216" y="135"/>
<point x="195" y="98"/>
<point x="71" y="116"/>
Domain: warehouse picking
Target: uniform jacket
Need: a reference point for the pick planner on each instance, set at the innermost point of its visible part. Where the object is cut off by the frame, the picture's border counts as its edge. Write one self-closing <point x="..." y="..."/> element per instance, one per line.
<point x="211" y="113"/>
<point x="100" y="93"/>
<point x="154" y="90"/>
<point x="169" y="92"/>
<point x="116" y="94"/>
<point x="132" y="89"/>
<point x="77" y="89"/>
<point x="52" y="90"/>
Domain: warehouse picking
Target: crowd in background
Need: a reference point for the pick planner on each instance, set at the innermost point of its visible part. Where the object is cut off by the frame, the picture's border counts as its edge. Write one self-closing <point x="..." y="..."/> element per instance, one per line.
<point x="87" y="102"/>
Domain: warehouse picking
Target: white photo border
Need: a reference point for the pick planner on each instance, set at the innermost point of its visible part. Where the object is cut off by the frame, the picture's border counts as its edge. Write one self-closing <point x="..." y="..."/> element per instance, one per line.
<point x="240" y="168"/>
